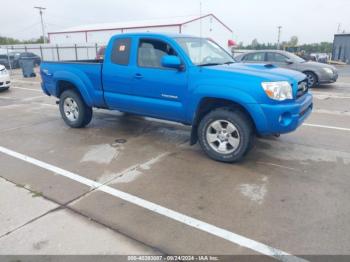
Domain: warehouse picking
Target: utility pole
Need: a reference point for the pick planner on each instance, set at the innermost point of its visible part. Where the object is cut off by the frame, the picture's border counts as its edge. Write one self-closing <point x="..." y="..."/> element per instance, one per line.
<point x="42" y="20"/>
<point x="279" y="37"/>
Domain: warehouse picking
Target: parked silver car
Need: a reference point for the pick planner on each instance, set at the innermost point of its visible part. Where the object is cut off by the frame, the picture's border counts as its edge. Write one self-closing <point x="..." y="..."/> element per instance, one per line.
<point x="317" y="73"/>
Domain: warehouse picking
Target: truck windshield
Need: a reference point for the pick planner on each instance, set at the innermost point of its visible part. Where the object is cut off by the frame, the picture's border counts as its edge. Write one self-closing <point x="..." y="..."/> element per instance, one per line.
<point x="204" y="52"/>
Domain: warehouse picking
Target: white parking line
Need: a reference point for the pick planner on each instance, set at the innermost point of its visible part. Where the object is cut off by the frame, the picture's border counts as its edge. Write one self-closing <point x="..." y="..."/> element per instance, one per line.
<point x="33" y="98"/>
<point x="187" y="220"/>
<point x="26" y="82"/>
<point x="29" y="89"/>
<point x="328" y="127"/>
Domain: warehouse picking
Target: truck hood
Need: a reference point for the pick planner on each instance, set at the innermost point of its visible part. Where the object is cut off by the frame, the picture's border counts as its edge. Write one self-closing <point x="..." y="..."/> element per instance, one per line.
<point x="2" y="67"/>
<point x="264" y="71"/>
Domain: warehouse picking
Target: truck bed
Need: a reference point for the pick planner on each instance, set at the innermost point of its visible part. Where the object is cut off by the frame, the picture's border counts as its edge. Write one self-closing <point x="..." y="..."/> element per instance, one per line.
<point x="82" y="73"/>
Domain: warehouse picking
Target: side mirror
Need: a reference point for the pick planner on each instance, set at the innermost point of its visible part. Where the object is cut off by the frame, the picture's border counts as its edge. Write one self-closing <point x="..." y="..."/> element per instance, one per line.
<point x="289" y="61"/>
<point x="172" y="61"/>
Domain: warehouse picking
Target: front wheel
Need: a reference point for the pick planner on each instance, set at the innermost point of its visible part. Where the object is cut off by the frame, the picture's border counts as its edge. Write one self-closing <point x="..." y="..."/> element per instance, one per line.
<point x="74" y="111"/>
<point x="311" y="79"/>
<point x="225" y="135"/>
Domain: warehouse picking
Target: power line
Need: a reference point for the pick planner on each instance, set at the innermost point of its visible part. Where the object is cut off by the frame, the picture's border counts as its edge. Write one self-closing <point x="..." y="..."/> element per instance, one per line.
<point x="21" y="30"/>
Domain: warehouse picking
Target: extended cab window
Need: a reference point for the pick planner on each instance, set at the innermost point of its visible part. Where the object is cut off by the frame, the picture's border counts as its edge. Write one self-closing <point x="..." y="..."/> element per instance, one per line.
<point x="121" y="51"/>
<point x="151" y="52"/>
<point x="255" y="57"/>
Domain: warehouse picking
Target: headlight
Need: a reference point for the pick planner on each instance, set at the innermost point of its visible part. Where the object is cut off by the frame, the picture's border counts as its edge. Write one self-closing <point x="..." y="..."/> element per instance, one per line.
<point x="279" y="91"/>
<point x="328" y="70"/>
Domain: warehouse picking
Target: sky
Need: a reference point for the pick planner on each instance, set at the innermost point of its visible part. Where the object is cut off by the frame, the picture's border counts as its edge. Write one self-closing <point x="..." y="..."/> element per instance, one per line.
<point x="311" y="20"/>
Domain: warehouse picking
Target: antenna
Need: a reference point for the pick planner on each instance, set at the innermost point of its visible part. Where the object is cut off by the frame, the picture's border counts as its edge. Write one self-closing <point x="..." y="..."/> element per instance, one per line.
<point x="339" y="28"/>
<point x="200" y="31"/>
<point x="40" y="8"/>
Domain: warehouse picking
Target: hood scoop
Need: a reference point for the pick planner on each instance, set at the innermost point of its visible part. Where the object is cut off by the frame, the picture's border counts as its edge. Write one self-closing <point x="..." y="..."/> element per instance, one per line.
<point x="269" y="66"/>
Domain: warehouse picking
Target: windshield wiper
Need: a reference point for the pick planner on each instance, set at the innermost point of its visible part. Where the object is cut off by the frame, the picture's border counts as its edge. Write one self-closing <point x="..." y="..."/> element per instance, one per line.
<point x="214" y="64"/>
<point x="209" y="64"/>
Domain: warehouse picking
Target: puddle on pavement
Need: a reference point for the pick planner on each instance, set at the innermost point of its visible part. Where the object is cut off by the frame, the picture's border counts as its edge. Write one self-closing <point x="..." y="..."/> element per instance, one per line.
<point x="101" y="154"/>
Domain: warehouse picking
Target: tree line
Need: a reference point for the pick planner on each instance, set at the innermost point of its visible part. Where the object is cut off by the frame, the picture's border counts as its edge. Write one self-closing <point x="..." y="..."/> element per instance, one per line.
<point x="13" y="41"/>
<point x="291" y="45"/>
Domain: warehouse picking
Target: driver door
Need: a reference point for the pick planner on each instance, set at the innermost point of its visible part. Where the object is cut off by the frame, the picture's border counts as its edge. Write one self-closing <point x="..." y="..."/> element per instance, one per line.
<point x="158" y="91"/>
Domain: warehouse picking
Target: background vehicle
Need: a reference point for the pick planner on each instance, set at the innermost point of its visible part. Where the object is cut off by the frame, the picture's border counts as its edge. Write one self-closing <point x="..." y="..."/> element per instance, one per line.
<point x="317" y="73"/>
<point x="14" y="58"/>
<point x="6" y="60"/>
<point x="320" y="57"/>
<point x="184" y="79"/>
<point x="5" y="81"/>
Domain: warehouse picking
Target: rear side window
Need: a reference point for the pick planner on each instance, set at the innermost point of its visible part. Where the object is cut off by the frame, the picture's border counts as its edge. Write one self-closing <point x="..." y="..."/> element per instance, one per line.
<point x="121" y="51"/>
<point x="255" y="57"/>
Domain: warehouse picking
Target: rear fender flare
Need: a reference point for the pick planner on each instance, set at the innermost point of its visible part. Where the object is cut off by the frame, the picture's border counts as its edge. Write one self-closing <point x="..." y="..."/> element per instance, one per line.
<point x="82" y="83"/>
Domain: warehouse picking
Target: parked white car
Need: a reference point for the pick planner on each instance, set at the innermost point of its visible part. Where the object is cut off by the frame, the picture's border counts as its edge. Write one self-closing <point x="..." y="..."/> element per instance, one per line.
<point x="5" y="81"/>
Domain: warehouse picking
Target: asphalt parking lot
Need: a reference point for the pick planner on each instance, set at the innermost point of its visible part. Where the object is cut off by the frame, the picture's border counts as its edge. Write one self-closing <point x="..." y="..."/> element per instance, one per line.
<point x="139" y="178"/>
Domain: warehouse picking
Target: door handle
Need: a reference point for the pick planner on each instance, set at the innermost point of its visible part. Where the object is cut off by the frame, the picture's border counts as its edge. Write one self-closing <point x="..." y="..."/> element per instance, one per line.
<point x="138" y="76"/>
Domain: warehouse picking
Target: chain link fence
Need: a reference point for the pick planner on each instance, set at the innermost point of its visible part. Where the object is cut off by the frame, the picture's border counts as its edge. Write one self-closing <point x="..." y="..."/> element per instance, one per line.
<point x="50" y="52"/>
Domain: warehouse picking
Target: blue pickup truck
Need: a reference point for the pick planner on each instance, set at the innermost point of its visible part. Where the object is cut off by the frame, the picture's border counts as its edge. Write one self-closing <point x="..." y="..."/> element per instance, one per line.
<point x="185" y="79"/>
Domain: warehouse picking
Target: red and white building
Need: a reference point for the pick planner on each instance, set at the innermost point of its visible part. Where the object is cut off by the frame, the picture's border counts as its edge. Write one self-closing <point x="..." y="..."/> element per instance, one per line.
<point x="210" y="26"/>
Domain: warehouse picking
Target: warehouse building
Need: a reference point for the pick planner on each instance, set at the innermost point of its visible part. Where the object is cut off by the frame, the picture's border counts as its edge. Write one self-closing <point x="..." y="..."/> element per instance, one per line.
<point x="211" y="27"/>
<point x="341" y="48"/>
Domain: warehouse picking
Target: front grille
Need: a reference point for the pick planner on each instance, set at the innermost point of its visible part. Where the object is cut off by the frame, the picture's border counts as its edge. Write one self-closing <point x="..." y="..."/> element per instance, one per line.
<point x="302" y="88"/>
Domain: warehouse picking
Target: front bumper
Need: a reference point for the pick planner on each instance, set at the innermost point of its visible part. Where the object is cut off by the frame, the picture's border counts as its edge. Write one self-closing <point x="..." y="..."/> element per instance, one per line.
<point x="328" y="78"/>
<point x="5" y="82"/>
<point x="284" y="118"/>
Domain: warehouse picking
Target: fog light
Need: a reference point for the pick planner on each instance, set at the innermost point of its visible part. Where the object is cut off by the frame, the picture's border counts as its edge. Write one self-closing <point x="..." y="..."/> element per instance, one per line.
<point x="285" y="119"/>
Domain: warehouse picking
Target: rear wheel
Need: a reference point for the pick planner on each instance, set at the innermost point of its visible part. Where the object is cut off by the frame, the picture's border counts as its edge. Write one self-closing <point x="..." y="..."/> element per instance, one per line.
<point x="225" y="135"/>
<point x="74" y="111"/>
<point x="311" y="79"/>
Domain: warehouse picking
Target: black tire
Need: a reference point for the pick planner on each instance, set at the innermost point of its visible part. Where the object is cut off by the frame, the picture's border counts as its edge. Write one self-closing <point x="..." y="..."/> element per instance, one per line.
<point x="312" y="79"/>
<point x="84" y="112"/>
<point x="243" y="126"/>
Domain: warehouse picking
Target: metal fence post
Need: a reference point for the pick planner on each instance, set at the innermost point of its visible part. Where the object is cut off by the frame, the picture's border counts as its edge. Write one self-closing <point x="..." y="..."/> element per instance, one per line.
<point x="25" y="48"/>
<point x="8" y="59"/>
<point x="58" y="53"/>
<point x="76" y="52"/>
<point x="96" y="47"/>
<point x="41" y="52"/>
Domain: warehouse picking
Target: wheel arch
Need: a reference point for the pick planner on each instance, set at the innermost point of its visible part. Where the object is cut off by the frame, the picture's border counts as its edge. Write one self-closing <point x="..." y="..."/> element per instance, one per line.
<point x="207" y="104"/>
<point x="75" y="80"/>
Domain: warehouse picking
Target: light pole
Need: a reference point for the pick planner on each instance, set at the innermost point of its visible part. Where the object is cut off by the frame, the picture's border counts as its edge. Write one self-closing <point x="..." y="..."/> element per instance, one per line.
<point x="279" y="36"/>
<point x="42" y="20"/>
